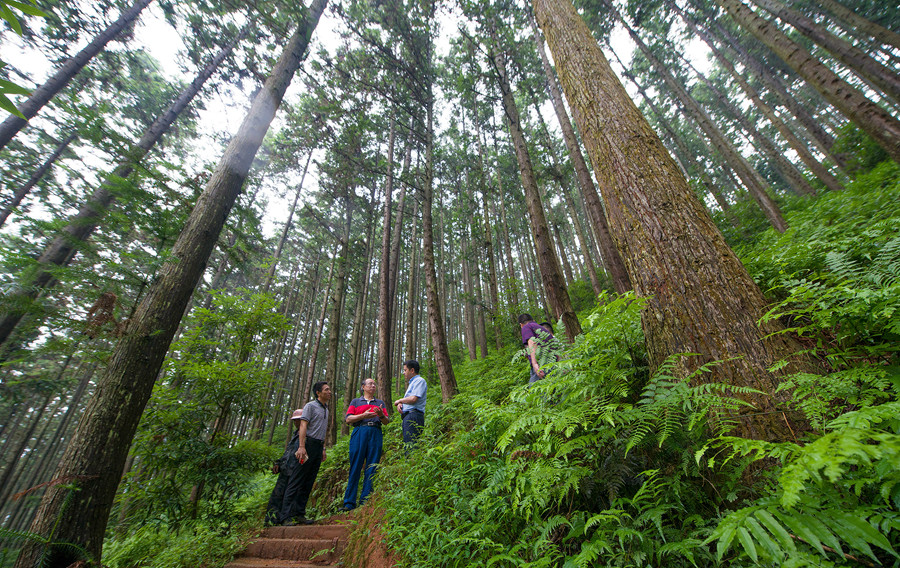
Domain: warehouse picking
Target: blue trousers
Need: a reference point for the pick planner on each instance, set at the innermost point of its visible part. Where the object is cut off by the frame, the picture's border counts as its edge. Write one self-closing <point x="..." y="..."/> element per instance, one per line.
<point x="413" y="424"/>
<point x="365" y="451"/>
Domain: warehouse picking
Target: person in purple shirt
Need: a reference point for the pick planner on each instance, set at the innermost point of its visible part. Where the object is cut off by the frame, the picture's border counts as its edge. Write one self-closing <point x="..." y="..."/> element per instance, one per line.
<point x="534" y="337"/>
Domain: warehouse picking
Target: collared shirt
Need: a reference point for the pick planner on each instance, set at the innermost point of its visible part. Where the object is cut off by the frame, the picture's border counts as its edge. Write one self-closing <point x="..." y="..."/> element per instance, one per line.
<point x="316" y="415"/>
<point x="360" y="405"/>
<point x="417" y="387"/>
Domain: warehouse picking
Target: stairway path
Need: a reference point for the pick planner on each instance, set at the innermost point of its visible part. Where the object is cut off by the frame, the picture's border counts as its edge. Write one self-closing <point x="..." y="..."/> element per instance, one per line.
<point x="304" y="546"/>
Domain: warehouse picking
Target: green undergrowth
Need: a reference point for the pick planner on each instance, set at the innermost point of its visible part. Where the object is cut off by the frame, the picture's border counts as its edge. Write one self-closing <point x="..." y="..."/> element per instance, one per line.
<point x="210" y="541"/>
<point x="607" y="464"/>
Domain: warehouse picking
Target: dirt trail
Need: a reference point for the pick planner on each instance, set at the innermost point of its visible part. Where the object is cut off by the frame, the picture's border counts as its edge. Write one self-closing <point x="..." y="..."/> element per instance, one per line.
<point x="295" y="547"/>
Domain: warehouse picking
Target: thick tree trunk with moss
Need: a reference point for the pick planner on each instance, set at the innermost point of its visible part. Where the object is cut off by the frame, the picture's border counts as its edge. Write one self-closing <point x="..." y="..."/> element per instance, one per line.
<point x="871" y="118"/>
<point x="551" y="271"/>
<point x="700" y="298"/>
<point x="96" y="454"/>
<point x="610" y="255"/>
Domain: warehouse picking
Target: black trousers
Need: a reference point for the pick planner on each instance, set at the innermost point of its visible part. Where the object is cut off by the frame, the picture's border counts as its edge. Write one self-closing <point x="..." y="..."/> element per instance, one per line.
<point x="276" y="500"/>
<point x="300" y="482"/>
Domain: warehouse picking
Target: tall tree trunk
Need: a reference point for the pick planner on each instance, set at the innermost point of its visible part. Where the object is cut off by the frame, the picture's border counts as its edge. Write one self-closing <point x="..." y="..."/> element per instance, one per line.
<point x="333" y="348"/>
<point x="857" y="60"/>
<point x="270" y="276"/>
<point x="870" y="117"/>
<point x="96" y="454"/>
<point x="435" y="319"/>
<point x="43" y="94"/>
<point x="554" y="284"/>
<point x="81" y="226"/>
<point x="385" y="299"/>
<point x="359" y="318"/>
<point x="700" y="299"/>
<point x="609" y="254"/>
<point x="410" y="346"/>
<point x="750" y="177"/>
<point x="36" y="176"/>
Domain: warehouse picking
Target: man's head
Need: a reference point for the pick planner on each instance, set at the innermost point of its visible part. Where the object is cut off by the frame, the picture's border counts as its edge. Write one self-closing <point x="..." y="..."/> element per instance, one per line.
<point x="410" y="369"/>
<point x="368" y="386"/>
<point x="525" y="318"/>
<point x="322" y="391"/>
<point x="295" y="417"/>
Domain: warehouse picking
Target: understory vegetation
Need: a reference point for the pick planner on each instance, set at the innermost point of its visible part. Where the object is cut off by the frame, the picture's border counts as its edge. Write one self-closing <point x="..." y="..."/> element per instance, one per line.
<point x="605" y="463"/>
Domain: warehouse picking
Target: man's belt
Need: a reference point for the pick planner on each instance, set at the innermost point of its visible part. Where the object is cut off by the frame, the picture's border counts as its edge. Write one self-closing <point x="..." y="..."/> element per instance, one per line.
<point x="367" y="424"/>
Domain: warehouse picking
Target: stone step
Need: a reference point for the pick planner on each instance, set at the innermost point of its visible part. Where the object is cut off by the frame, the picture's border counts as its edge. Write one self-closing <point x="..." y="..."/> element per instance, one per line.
<point x="306" y="549"/>
<point x="245" y="562"/>
<point x="306" y="531"/>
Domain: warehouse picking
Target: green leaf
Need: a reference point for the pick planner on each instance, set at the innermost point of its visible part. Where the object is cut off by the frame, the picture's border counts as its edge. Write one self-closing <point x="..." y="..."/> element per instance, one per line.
<point x="800" y="529"/>
<point x="725" y="542"/>
<point x="822" y="532"/>
<point x="10" y="87"/>
<point x="859" y="533"/>
<point x="8" y="106"/>
<point x="764" y="539"/>
<point x="776" y="529"/>
<point x="27" y="9"/>
<point x="7" y="15"/>
<point x="747" y="542"/>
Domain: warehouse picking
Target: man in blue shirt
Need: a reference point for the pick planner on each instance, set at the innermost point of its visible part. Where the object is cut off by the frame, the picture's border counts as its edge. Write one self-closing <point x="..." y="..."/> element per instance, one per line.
<point x="412" y="406"/>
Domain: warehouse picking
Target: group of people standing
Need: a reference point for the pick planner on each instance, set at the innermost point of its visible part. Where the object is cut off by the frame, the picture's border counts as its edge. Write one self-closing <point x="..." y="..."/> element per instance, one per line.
<point x="298" y="467"/>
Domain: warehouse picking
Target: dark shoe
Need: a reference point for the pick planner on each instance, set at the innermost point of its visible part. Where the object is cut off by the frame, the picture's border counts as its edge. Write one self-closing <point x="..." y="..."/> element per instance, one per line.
<point x="305" y="521"/>
<point x="347" y="507"/>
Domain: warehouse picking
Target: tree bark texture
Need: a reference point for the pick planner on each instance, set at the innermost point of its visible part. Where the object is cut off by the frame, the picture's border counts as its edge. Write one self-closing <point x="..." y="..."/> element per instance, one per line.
<point x="700" y="299"/>
<point x="553" y="281"/>
<point x="870" y="117"/>
<point x="42" y="95"/>
<point x="95" y="457"/>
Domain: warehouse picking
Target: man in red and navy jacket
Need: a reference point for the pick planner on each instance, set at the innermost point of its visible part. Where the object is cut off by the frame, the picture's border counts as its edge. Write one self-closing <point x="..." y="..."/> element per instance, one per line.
<point x="366" y="414"/>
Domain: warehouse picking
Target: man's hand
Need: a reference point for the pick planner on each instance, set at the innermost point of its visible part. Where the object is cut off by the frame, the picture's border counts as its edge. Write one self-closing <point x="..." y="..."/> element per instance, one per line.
<point x="368" y="414"/>
<point x="276" y="468"/>
<point x="301" y="455"/>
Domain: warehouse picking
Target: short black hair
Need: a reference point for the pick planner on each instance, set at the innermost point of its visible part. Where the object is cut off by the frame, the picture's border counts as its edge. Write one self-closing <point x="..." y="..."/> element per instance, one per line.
<point x="363" y="383"/>
<point x="548" y="325"/>
<point x="525" y="318"/>
<point x="317" y="388"/>
<point x="412" y="364"/>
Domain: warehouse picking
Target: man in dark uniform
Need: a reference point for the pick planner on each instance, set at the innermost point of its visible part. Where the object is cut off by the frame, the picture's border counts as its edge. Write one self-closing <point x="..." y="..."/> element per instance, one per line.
<point x="310" y="454"/>
<point x="284" y="467"/>
<point x="366" y="414"/>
